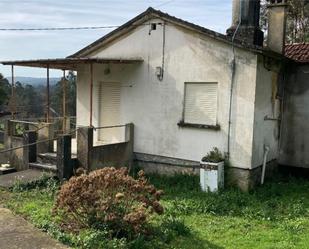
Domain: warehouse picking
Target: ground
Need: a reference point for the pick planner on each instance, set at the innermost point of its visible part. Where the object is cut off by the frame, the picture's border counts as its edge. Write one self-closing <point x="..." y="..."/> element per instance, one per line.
<point x="273" y="216"/>
<point x="16" y="233"/>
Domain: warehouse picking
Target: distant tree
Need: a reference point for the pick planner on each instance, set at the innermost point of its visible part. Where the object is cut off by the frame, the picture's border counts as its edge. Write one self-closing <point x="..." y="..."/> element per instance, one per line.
<point x="57" y="95"/>
<point x="297" y="29"/>
<point x="5" y="89"/>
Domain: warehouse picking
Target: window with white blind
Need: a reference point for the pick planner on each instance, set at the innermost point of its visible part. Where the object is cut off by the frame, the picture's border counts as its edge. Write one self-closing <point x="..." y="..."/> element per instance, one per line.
<point x="200" y="103"/>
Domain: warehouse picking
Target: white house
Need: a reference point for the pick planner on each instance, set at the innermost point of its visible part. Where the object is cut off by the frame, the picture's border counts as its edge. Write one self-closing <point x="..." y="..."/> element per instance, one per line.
<point x="179" y="95"/>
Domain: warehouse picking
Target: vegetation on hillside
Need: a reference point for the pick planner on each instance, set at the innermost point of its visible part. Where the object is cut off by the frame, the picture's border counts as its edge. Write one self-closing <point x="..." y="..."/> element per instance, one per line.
<point x="31" y="99"/>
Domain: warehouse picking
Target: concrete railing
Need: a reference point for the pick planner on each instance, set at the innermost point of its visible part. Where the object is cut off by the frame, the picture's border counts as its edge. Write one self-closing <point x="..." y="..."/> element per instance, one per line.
<point x="20" y="133"/>
<point x="93" y="157"/>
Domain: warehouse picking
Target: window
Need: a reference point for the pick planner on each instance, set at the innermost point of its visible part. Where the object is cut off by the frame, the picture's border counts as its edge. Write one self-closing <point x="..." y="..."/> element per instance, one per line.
<point x="200" y="103"/>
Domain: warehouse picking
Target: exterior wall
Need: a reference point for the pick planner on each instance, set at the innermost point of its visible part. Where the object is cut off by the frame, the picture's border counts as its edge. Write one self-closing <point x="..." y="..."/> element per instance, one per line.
<point x="266" y="114"/>
<point x="294" y="144"/>
<point x="155" y="107"/>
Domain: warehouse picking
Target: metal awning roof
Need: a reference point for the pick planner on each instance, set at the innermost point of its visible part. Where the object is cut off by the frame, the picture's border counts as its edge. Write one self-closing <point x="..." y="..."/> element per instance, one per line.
<point x="69" y="63"/>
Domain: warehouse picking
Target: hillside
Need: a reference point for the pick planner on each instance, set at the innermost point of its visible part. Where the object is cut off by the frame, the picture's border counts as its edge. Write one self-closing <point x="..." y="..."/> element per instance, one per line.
<point x="34" y="81"/>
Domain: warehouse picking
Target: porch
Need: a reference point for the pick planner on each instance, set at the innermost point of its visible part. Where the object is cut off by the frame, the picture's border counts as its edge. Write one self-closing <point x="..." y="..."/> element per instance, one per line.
<point x="61" y="146"/>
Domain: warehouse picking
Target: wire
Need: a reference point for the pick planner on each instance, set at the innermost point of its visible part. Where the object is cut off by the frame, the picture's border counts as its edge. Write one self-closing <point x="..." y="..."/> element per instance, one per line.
<point x="165" y="3"/>
<point x="60" y="28"/>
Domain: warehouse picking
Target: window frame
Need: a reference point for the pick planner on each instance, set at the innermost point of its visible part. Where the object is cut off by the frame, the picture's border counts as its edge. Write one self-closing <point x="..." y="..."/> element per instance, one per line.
<point x="182" y="122"/>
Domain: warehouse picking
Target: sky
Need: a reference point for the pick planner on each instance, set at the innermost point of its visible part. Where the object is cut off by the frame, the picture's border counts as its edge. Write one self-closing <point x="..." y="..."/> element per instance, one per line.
<point x="14" y="45"/>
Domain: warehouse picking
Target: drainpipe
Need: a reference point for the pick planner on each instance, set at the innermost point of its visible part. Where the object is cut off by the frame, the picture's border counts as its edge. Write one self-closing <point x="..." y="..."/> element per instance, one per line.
<point x="266" y="151"/>
<point x="233" y="68"/>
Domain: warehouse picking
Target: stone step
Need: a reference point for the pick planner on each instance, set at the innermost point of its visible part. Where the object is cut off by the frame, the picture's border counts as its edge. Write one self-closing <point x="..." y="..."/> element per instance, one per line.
<point x="49" y="157"/>
<point x="6" y="170"/>
<point x="44" y="166"/>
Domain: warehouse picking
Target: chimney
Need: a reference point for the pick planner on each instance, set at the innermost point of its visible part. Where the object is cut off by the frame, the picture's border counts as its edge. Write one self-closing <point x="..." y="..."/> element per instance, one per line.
<point x="276" y="25"/>
<point x="247" y="12"/>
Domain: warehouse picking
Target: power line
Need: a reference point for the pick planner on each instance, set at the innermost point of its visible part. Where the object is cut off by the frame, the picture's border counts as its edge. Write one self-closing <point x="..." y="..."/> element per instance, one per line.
<point x="165" y="3"/>
<point x="60" y="28"/>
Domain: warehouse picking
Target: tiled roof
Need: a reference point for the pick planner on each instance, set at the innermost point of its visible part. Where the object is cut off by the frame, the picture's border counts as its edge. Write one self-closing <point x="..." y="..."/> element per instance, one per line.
<point x="298" y="52"/>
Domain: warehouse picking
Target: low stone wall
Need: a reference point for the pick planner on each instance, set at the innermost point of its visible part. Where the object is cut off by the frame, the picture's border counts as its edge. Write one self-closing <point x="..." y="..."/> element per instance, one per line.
<point x="244" y="179"/>
<point x="95" y="157"/>
<point x="17" y="156"/>
<point x="165" y="165"/>
<point x="110" y="155"/>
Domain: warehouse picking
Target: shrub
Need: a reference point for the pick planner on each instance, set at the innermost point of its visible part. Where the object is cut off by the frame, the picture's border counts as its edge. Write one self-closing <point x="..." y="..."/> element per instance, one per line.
<point x="108" y="199"/>
<point x="213" y="156"/>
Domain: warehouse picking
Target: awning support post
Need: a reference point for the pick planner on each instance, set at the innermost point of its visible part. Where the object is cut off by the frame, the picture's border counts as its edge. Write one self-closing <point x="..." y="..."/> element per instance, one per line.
<point x="47" y="95"/>
<point x="91" y="92"/>
<point x="13" y="102"/>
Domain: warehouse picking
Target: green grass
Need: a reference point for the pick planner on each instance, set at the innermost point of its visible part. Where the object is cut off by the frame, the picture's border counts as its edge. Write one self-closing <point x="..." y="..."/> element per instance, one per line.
<point x="273" y="216"/>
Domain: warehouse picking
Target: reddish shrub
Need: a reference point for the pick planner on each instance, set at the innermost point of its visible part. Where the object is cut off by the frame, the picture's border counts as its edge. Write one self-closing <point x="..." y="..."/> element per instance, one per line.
<point x="107" y="198"/>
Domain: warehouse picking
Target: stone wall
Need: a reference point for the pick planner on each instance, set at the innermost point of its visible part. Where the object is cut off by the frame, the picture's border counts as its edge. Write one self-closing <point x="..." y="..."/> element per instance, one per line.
<point x="165" y="165"/>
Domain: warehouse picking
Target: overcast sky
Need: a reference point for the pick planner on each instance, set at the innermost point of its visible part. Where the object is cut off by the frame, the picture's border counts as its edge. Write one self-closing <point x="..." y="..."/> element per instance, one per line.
<point x="212" y="14"/>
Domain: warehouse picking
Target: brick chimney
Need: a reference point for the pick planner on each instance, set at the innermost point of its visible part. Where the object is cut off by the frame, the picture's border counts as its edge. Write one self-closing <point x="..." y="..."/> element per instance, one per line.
<point x="277" y="10"/>
<point x="247" y="12"/>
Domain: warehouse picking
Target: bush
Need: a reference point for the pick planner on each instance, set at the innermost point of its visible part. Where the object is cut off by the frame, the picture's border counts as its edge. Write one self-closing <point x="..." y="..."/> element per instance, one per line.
<point x="213" y="156"/>
<point x="108" y="199"/>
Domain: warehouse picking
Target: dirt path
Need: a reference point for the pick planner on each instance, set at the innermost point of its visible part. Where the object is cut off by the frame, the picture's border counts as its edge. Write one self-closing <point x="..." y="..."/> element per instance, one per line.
<point x="17" y="233"/>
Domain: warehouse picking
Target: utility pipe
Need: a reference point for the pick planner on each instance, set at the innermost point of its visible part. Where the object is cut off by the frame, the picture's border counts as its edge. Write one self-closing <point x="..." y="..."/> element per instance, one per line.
<point x="266" y="151"/>
<point x="233" y="68"/>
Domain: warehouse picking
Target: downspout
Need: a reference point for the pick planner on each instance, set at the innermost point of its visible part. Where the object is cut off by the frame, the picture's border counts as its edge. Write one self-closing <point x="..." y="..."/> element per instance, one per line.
<point x="233" y="68"/>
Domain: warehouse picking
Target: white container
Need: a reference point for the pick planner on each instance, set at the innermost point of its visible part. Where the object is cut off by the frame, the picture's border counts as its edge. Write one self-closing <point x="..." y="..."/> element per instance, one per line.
<point x="211" y="176"/>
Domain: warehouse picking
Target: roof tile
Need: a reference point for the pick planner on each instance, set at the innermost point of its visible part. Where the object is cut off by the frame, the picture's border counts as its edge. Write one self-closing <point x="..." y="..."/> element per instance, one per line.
<point x="298" y="52"/>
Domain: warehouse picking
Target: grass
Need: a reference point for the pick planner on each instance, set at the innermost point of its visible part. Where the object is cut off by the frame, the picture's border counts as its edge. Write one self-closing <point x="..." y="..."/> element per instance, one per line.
<point x="273" y="216"/>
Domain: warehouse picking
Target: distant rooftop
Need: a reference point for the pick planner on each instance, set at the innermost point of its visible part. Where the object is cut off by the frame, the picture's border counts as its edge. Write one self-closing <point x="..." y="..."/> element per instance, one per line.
<point x="298" y="52"/>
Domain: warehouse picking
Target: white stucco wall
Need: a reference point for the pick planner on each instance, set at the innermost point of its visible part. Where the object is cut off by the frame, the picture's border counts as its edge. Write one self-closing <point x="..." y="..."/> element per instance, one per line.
<point x="155" y="107"/>
<point x="266" y="132"/>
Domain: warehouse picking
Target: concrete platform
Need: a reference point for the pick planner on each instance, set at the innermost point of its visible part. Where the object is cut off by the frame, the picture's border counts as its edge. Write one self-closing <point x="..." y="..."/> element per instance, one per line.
<point x="17" y="233"/>
<point x="30" y="175"/>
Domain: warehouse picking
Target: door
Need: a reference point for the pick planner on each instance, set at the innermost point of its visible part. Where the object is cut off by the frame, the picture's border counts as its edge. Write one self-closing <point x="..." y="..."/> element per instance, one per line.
<point x="109" y="112"/>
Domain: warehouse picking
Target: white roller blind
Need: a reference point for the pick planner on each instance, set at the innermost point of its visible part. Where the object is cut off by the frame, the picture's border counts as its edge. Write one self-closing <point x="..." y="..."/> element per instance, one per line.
<point x="200" y="105"/>
<point x="109" y="114"/>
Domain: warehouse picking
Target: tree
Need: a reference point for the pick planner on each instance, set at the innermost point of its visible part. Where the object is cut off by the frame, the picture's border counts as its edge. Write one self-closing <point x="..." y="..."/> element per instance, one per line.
<point x="5" y="89"/>
<point x="57" y="95"/>
<point x="298" y="21"/>
<point x="297" y="29"/>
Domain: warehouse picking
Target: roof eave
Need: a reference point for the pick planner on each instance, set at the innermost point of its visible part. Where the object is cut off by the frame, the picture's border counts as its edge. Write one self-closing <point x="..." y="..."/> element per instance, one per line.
<point x="152" y="13"/>
<point x="69" y="63"/>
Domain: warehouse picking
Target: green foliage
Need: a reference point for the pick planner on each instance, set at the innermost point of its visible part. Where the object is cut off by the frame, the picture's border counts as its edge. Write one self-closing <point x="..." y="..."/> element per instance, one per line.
<point x="297" y="29"/>
<point x="57" y="95"/>
<point x="213" y="156"/>
<point x="273" y="216"/>
<point x="46" y="182"/>
<point x="30" y="100"/>
<point x="4" y="90"/>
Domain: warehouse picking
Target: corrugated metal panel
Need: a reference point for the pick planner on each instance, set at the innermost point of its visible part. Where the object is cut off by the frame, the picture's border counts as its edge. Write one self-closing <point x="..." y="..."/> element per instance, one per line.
<point x="109" y="105"/>
<point x="201" y="103"/>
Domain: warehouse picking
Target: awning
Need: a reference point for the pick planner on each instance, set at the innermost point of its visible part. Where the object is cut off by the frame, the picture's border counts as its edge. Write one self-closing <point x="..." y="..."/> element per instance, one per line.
<point x="69" y="63"/>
